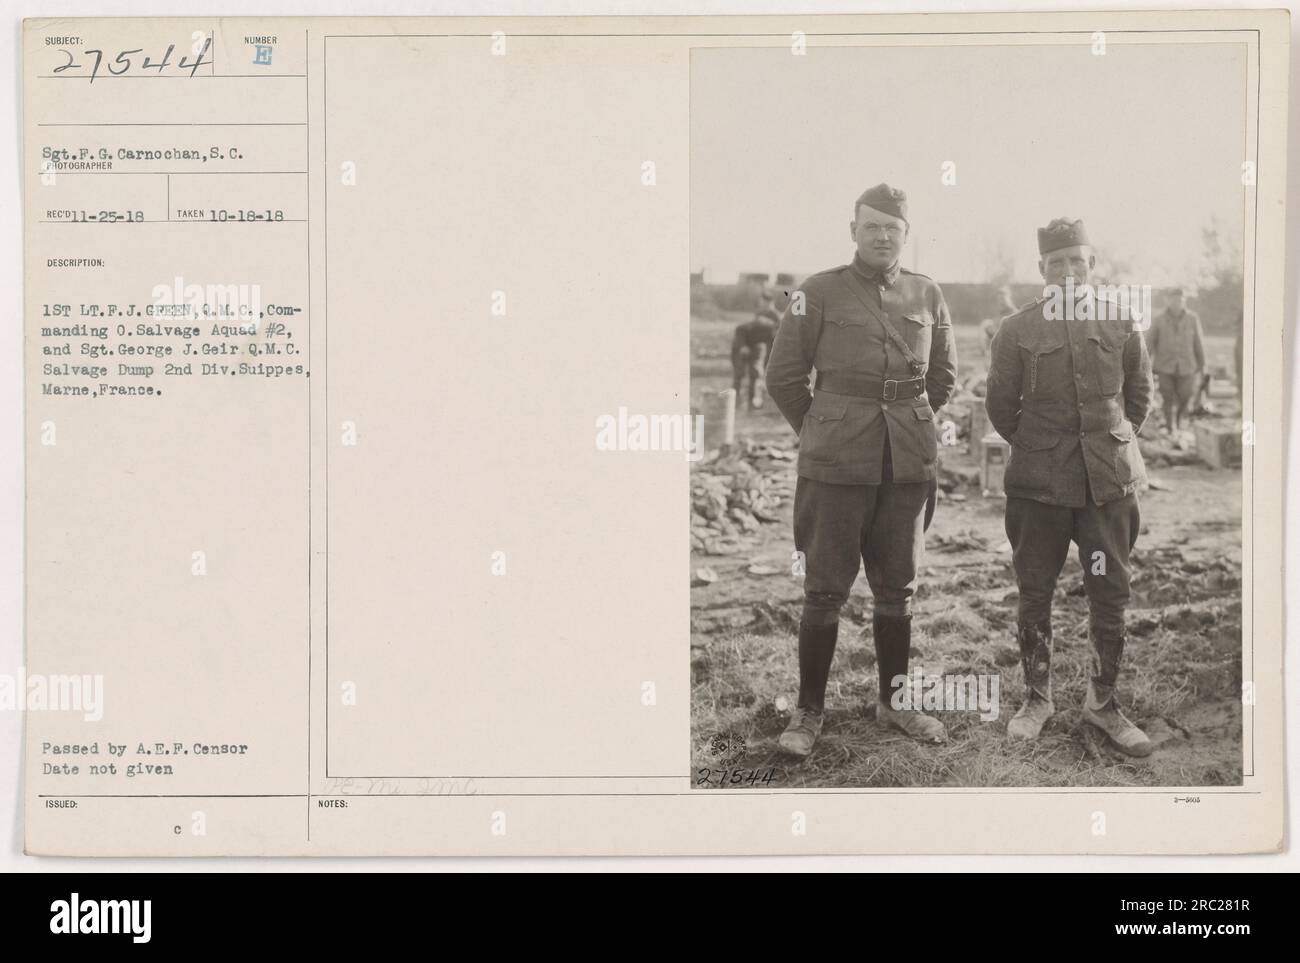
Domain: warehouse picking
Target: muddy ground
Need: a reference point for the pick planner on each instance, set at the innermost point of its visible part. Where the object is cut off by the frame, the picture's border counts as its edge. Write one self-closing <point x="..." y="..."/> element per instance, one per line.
<point x="1181" y="681"/>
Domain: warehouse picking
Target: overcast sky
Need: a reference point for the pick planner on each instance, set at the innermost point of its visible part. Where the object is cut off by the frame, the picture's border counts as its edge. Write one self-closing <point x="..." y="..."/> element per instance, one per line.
<point x="1145" y="144"/>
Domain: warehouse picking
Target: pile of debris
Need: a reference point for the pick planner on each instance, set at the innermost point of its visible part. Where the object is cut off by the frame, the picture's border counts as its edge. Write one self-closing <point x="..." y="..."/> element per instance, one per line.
<point x="965" y="408"/>
<point x="954" y="478"/>
<point x="734" y="495"/>
<point x="1212" y="442"/>
<point x="1163" y="451"/>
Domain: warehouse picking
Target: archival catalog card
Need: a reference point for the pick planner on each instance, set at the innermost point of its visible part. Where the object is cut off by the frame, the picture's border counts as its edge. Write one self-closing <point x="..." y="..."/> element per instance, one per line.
<point x="654" y="436"/>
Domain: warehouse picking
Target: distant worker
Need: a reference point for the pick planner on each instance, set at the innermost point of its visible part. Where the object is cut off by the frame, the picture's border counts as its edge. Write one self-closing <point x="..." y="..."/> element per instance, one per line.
<point x="1003" y="307"/>
<point x="751" y="346"/>
<point x="1177" y="347"/>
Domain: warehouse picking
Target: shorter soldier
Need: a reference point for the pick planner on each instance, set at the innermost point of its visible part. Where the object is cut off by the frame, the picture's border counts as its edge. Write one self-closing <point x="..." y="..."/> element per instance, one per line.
<point x="751" y="346"/>
<point x="1070" y="391"/>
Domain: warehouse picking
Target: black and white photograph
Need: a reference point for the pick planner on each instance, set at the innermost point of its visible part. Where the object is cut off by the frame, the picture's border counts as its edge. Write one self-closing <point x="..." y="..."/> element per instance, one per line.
<point x="362" y="364"/>
<point x="969" y="340"/>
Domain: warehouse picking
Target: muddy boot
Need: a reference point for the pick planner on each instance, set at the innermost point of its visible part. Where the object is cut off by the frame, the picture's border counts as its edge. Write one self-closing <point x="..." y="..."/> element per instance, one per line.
<point x="1101" y="709"/>
<point x="893" y="637"/>
<point x="1036" y="658"/>
<point x="816" y="650"/>
<point x="913" y="722"/>
<point x="802" y="732"/>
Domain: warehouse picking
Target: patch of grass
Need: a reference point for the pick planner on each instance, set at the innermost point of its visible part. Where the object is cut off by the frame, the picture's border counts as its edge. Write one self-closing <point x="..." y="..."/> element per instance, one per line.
<point x="744" y="684"/>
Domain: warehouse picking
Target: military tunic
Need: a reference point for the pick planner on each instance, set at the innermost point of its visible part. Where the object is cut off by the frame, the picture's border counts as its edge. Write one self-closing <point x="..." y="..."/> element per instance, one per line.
<point x="842" y="436"/>
<point x="1070" y="397"/>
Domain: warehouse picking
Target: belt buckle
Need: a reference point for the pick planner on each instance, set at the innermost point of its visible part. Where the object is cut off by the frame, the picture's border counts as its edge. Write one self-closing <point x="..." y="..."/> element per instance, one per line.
<point x="889" y="391"/>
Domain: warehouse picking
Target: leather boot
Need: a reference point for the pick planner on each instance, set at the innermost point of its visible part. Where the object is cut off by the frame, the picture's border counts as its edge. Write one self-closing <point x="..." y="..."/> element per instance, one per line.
<point x="1101" y="708"/>
<point x="801" y="734"/>
<point x="816" y="650"/>
<point x="893" y="637"/>
<point x="1036" y="659"/>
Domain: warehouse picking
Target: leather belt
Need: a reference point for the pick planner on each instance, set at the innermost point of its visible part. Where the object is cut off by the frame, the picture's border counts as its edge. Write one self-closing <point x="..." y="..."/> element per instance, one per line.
<point x="839" y="383"/>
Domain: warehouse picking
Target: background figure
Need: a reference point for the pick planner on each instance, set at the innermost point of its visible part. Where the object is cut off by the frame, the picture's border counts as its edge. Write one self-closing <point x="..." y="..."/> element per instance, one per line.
<point x="1003" y="307"/>
<point x="750" y="348"/>
<point x="1177" y="347"/>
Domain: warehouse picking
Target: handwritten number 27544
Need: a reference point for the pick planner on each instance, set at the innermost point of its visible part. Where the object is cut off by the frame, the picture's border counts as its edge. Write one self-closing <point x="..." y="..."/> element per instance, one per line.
<point x="124" y="63"/>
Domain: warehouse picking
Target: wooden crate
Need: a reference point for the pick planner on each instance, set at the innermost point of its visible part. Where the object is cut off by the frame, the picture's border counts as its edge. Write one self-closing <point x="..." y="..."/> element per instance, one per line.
<point x="1218" y="445"/>
<point x="995" y="453"/>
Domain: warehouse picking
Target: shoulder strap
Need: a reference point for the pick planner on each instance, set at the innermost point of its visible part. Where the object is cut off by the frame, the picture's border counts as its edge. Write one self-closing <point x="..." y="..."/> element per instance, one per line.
<point x="1026" y="309"/>
<point x="860" y="292"/>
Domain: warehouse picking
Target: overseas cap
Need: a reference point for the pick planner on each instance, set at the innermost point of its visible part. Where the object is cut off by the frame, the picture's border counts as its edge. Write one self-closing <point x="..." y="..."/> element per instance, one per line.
<point x="1062" y="232"/>
<point x="884" y="198"/>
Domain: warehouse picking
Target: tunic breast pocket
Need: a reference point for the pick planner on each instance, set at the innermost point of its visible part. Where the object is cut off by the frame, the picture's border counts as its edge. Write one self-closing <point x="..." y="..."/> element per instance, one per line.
<point x="1108" y="362"/>
<point x="1046" y="367"/>
<point x="844" y="340"/>
<point x="918" y="329"/>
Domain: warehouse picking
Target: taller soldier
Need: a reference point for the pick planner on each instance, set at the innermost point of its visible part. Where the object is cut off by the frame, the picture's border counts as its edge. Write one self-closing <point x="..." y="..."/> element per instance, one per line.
<point x="881" y="342"/>
<point x="1069" y="386"/>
